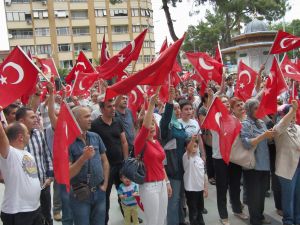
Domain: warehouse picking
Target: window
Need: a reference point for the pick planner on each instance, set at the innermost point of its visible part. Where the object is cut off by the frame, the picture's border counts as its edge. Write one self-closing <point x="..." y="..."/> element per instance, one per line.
<point x="117" y="46"/>
<point x="20" y="1"/>
<point x="122" y="29"/>
<point x="42" y="31"/>
<point x="78" y="0"/>
<point x="82" y="46"/>
<point x="80" y="31"/>
<point x="136" y="28"/>
<point x="19" y="34"/>
<point x="61" y="13"/>
<point x="148" y="44"/>
<point x="146" y="12"/>
<point x="64" y="48"/>
<point x="100" y="12"/>
<point x="135" y="12"/>
<point x="118" y="12"/>
<point x="28" y="48"/>
<point x="147" y="58"/>
<point x="68" y="64"/>
<point x="82" y="14"/>
<point x="18" y="16"/>
<point x="62" y="31"/>
<point x="43" y="49"/>
<point x="40" y="14"/>
<point x="140" y="59"/>
<point x="101" y="29"/>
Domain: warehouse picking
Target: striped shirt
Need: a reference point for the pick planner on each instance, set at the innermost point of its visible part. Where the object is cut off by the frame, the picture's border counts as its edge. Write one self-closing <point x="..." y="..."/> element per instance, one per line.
<point x="43" y="157"/>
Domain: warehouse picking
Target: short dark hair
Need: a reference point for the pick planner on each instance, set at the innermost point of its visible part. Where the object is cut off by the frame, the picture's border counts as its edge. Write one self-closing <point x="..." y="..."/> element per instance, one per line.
<point x="21" y="113"/>
<point x="13" y="130"/>
<point x="9" y="108"/>
<point x="184" y="102"/>
<point x="188" y="140"/>
<point x="102" y="103"/>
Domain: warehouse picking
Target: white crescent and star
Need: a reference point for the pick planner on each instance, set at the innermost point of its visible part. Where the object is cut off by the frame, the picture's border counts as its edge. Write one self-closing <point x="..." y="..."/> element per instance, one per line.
<point x="133" y="92"/>
<point x="245" y="72"/>
<point x="121" y="58"/>
<point x="80" y="84"/>
<point x="82" y="64"/>
<point x="282" y="42"/>
<point x="47" y="67"/>
<point x="217" y="118"/>
<point x="203" y="64"/>
<point x="18" y="68"/>
<point x="290" y="70"/>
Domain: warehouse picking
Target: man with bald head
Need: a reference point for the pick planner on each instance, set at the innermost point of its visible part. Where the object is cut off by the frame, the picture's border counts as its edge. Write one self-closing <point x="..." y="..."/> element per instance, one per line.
<point x="89" y="170"/>
<point x="21" y="201"/>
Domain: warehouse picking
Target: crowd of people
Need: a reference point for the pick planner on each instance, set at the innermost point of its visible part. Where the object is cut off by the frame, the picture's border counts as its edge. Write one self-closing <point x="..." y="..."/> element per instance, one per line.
<point x="181" y="159"/>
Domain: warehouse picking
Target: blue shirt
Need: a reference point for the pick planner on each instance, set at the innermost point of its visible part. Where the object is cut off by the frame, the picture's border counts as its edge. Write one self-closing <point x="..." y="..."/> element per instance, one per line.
<point x="128" y="191"/>
<point x="262" y="155"/>
<point x="96" y="169"/>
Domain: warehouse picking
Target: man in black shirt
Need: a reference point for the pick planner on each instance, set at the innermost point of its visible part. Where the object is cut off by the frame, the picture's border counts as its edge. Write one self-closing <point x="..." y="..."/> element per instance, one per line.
<point x="112" y="133"/>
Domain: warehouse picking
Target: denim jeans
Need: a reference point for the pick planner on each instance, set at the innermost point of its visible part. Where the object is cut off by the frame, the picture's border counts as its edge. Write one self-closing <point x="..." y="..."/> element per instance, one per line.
<point x="175" y="211"/>
<point x="91" y="211"/>
<point x="290" y="199"/>
<point x="67" y="217"/>
<point x="56" y="198"/>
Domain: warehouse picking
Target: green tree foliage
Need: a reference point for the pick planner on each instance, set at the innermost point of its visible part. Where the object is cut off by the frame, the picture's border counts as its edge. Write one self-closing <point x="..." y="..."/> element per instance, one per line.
<point x="227" y="18"/>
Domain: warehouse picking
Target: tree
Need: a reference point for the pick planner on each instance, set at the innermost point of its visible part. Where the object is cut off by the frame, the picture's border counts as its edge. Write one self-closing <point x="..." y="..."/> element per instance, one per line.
<point x="226" y="19"/>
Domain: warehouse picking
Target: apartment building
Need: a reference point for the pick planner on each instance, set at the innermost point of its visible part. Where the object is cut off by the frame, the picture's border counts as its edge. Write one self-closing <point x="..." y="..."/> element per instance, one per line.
<point x="61" y="28"/>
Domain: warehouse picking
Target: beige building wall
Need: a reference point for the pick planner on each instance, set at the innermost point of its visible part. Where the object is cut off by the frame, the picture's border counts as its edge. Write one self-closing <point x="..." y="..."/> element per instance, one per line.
<point x="60" y="28"/>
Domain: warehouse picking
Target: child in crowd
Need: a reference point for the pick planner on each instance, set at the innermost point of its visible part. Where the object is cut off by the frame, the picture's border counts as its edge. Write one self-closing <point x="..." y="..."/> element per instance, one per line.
<point x="127" y="192"/>
<point x="195" y="181"/>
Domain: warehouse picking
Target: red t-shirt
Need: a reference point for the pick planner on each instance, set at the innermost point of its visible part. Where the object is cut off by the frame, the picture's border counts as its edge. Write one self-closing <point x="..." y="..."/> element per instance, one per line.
<point x="154" y="156"/>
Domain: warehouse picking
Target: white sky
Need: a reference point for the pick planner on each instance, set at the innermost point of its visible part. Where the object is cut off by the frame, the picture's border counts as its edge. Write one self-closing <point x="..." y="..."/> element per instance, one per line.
<point x="180" y="14"/>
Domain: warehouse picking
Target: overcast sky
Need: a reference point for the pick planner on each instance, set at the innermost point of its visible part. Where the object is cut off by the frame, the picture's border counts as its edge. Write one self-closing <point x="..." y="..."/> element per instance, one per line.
<point x="180" y="15"/>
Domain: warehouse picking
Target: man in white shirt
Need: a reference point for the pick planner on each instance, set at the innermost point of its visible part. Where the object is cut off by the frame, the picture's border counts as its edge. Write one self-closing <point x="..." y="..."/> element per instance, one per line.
<point x="21" y="201"/>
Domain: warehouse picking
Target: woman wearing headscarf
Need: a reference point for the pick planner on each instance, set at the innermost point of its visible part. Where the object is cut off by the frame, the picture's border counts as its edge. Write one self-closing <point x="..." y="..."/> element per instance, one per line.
<point x="173" y="135"/>
<point x="287" y="140"/>
<point x="254" y="133"/>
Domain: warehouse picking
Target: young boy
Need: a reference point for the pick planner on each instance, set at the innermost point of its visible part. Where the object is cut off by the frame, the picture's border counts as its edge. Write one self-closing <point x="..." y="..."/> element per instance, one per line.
<point x="127" y="192"/>
<point x="195" y="181"/>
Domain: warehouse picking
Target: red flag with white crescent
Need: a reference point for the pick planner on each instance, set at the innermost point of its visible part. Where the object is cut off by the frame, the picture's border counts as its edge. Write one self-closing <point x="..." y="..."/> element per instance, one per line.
<point x="82" y="65"/>
<point x="83" y="82"/>
<point x="245" y="81"/>
<point x="17" y="76"/>
<point x="284" y="42"/>
<point x="290" y="69"/>
<point x="48" y="66"/>
<point x="104" y="57"/>
<point x="206" y="66"/>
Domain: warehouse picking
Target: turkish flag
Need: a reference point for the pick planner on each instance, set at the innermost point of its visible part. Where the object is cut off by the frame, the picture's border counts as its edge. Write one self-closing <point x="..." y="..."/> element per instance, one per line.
<point x="116" y="64"/>
<point x="290" y="69"/>
<point x="297" y="63"/>
<point x="135" y="100"/>
<point x="83" y="83"/>
<point x="196" y="77"/>
<point x="18" y="76"/>
<point x="206" y="66"/>
<point x="67" y="89"/>
<point x="245" y="82"/>
<point x="154" y="74"/>
<point x="104" y="57"/>
<point x="164" y="46"/>
<point x="275" y="86"/>
<point x="48" y="66"/>
<point x="82" y="65"/>
<point x="186" y="76"/>
<point x="66" y="131"/>
<point x="284" y="42"/>
<point x="228" y="127"/>
<point x="218" y="57"/>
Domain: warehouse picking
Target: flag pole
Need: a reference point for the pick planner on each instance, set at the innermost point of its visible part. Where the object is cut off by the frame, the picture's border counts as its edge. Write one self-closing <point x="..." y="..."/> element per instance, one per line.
<point x="293" y="90"/>
<point x="133" y="66"/>
<point x="271" y="49"/>
<point x="208" y="109"/>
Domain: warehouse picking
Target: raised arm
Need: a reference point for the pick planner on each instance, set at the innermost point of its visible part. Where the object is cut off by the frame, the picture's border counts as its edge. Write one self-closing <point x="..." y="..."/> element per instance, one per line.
<point x="149" y="114"/>
<point x="51" y="109"/>
<point x="167" y="115"/>
<point x="258" y="80"/>
<point x="4" y="143"/>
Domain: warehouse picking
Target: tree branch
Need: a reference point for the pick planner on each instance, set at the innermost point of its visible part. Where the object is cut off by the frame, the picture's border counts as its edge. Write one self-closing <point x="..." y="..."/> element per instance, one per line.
<point x="169" y="20"/>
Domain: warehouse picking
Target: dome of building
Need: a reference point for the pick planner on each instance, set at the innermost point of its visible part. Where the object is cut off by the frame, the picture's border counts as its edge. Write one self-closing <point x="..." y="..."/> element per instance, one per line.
<point x="256" y="26"/>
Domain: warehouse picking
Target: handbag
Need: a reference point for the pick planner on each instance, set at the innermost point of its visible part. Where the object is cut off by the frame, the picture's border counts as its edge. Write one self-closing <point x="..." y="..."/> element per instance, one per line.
<point x="241" y="156"/>
<point x="134" y="168"/>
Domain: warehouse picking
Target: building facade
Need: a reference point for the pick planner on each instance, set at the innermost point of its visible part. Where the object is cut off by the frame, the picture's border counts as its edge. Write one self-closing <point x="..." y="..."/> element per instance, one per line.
<point x="61" y="28"/>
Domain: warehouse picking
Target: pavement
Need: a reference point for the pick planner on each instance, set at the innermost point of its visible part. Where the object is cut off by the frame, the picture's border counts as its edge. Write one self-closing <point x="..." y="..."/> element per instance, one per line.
<point x="212" y="218"/>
